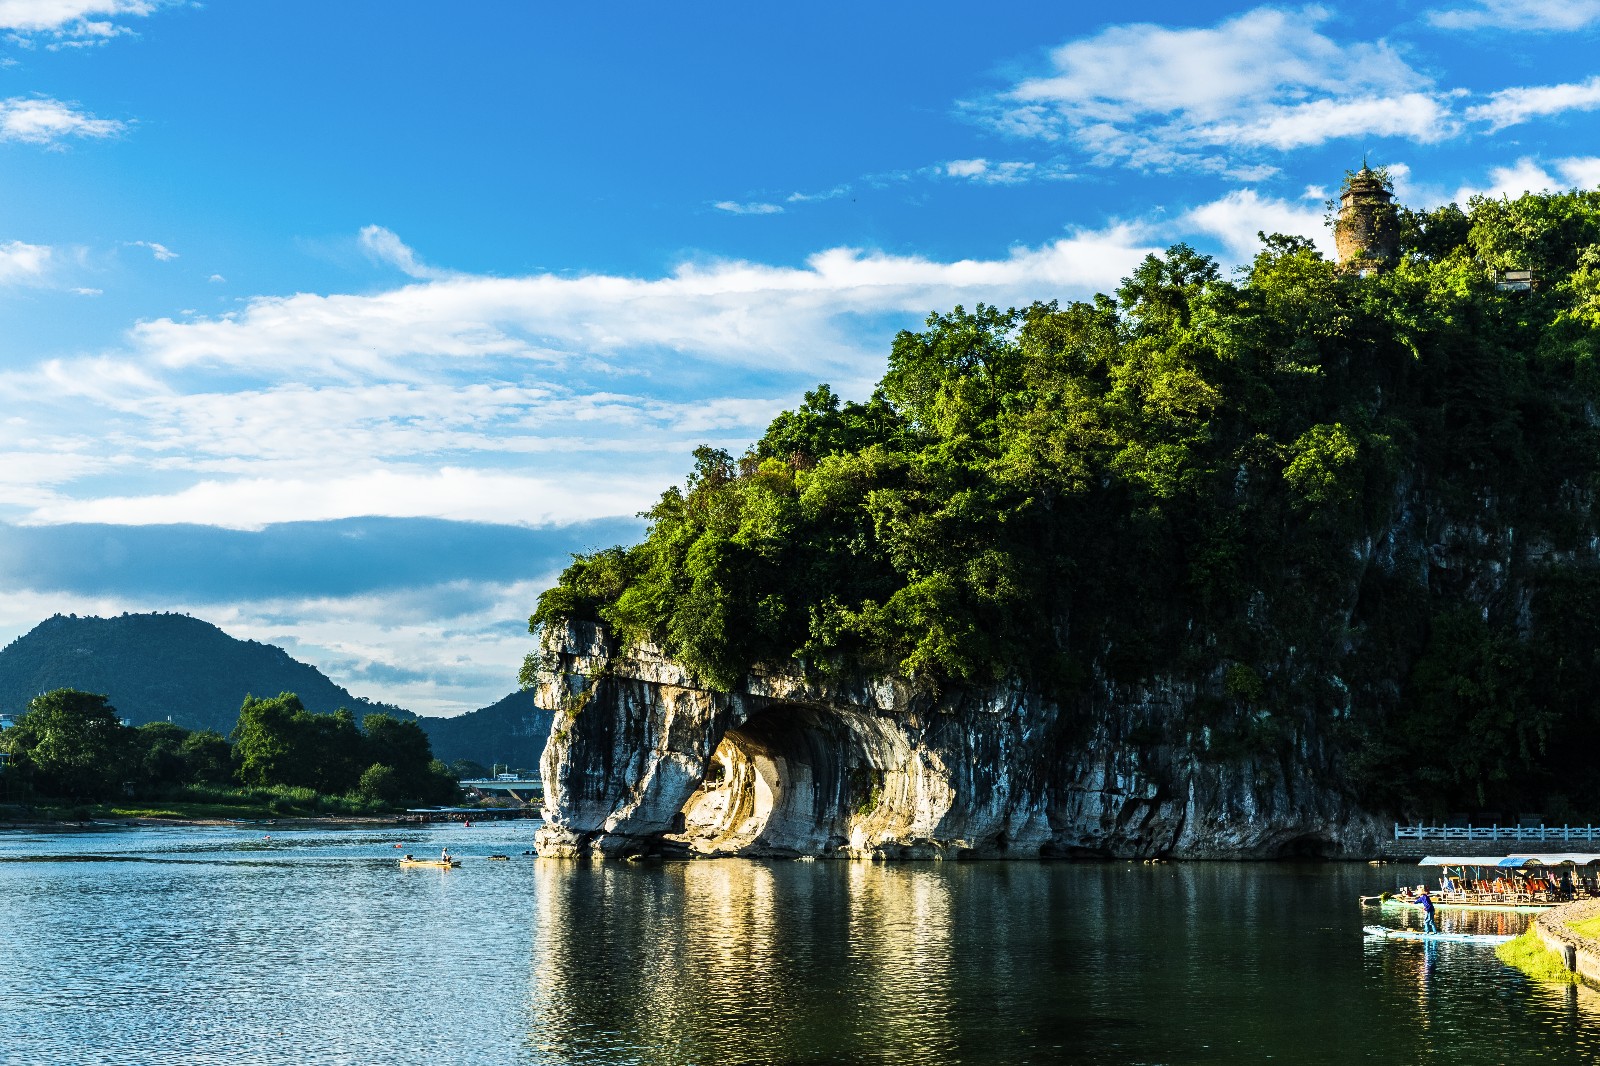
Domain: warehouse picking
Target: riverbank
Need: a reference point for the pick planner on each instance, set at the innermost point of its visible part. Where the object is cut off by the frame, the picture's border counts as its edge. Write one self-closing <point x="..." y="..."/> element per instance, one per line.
<point x="1561" y="946"/>
<point x="103" y="818"/>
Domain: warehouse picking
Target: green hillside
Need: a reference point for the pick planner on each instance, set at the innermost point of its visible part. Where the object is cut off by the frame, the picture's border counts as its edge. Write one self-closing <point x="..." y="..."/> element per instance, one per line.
<point x="511" y="731"/>
<point x="153" y="666"/>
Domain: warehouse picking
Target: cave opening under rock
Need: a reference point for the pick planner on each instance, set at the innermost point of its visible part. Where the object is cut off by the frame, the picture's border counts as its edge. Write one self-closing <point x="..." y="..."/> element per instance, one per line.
<point x="791" y="780"/>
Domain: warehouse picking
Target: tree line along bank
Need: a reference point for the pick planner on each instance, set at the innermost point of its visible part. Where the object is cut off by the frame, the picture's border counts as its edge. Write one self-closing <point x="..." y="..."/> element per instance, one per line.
<point x="72" y="746"/>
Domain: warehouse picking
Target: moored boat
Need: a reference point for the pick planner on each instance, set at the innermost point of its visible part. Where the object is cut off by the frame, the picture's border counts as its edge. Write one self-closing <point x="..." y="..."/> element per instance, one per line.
<point x="1507" y="883"/>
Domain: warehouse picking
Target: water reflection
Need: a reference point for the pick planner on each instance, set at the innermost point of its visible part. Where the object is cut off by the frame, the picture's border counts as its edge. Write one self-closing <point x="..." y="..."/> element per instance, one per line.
<point x="213" y="947"/>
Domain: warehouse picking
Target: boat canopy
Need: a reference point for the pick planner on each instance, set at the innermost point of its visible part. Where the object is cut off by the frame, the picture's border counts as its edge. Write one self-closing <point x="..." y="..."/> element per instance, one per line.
<point x="1572" y="858"/>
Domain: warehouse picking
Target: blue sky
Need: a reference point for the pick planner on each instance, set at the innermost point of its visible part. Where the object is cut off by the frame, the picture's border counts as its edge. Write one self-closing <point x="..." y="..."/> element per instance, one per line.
<point x="340" y="325"/>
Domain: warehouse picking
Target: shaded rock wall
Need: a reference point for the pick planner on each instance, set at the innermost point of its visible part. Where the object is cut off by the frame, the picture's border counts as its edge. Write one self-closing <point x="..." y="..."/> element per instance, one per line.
<point x="644" y="760"/>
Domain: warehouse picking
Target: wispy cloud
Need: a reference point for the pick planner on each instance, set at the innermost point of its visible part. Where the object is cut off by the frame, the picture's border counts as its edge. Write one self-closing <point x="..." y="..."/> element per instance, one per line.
<point x="448" y="492"/>
<point x="1265" y="79"/>
<point x="733" y="207"/>
<point x="1525" y="15"/>
<point x="1011" y="172"/>
<point x="385" y="246"/>
<point x="725" y="311"/>
<point x="472" y="397"/>
<point x="160" y="251"/>
<point x="41" y="120"/>
<point x="813" y="197"/>
<point x="1509" y="107"/>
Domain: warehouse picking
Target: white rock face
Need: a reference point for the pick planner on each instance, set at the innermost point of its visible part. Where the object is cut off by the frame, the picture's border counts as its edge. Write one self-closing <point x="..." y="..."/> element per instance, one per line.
<point x="643" y="760"/>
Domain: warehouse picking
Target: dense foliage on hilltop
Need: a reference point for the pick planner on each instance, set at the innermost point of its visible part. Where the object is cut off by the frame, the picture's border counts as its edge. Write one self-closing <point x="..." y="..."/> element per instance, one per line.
<point x="72" y="745"/>
<point x="1204" y="477"/>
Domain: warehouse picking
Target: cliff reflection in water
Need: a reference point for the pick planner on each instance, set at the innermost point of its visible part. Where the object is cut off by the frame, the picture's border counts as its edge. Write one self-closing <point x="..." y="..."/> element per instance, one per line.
<point x="732" y="961"/>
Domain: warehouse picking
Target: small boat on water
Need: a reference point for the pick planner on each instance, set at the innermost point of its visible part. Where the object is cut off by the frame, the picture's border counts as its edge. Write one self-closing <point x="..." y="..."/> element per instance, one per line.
<point x="1522" y="883"/>
<point x="437" y="864"/>
<point x="1450" y="938"/>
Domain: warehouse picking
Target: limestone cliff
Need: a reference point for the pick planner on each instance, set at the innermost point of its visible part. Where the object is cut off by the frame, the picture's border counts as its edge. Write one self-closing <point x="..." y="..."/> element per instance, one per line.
<point x="643" y="759"/>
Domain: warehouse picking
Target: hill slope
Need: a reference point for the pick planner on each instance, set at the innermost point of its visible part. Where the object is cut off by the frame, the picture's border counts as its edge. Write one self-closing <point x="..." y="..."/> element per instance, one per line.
<point x="512" y="731"/>
<point x="156" y="665"/>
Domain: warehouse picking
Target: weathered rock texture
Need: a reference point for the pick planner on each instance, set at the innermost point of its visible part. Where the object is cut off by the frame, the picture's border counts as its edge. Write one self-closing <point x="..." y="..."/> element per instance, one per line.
<point x="644" y="760"/>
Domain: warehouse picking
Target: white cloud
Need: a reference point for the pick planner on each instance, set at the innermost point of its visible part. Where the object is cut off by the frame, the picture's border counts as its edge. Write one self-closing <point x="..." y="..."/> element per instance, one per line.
<point x="812" y="197"/>
<point x="981" y="170"/>
<point x="729" y="312"/>
<point x="733" y="207"/>
<point x="1415" y="116"/>
<point x="1236" y="218"/>
<point x="1526" y="175"/>
<point x="385" y="246"/>
<point x="1582" y="172"/>
<point x="84" y="291"/>
<point x="217" y="278"/>
<point x="21" y="262"/>
<point x="1529" y="15"/>
<point x="161" y="252"/>
<point x="1523" y="176"/>
<point x="31" y="16"/>
<point x="70" y="23"/>
<point x="1158" y="98"/>
<point x="474" y="397"/>
<point x="41" y="120"/>
<point x="447" y="492"/>
<point x="1508" y="107"/>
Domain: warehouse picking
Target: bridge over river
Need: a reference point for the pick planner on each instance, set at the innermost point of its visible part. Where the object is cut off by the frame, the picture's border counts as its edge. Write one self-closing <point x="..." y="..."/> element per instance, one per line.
<point x="526" y="790"/>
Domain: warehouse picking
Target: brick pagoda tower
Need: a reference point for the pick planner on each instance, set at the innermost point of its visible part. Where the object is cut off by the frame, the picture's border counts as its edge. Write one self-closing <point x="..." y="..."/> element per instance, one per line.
<point x="1365" y="233"/>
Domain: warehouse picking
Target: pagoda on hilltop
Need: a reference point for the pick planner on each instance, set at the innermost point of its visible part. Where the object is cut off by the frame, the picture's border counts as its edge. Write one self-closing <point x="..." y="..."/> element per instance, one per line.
<point x="1366" y="232"/>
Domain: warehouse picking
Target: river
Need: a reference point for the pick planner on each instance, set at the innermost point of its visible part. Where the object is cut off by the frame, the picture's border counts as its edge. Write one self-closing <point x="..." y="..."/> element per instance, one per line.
<point x="215" y="945"/>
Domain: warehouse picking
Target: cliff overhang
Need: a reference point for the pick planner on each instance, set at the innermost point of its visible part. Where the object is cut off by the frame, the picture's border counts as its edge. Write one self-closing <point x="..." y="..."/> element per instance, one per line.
<point x="645" y="760"/>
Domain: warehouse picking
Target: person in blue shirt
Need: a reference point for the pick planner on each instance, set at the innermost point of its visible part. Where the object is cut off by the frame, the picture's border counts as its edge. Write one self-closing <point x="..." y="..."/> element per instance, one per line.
<point x="1425" y="901"/>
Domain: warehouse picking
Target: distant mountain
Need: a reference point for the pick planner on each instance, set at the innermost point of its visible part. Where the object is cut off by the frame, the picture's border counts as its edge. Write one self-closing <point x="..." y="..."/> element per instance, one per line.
<point x="157" y="665"/>
<point x="512" y="731"/>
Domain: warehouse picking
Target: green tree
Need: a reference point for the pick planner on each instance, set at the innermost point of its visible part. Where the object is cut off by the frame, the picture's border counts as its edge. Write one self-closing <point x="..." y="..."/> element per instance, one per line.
<point x="72" y="745"/>
<point x="267" y="743"/>
<point x="207" y="758"/>
<point x="157" y="748"/>
<point x="381" y="784"/>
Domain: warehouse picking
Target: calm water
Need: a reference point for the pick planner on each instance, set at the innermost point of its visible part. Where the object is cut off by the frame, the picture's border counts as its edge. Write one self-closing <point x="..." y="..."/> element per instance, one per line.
<point x="215" y="946"/>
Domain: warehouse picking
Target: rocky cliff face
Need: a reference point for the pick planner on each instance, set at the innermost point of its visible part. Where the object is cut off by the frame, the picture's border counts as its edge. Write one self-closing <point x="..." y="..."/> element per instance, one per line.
<point x="644" y="760"/>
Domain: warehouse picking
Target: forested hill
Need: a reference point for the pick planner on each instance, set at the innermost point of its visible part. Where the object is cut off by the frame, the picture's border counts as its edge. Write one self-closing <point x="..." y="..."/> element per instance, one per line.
<point x="1340" y="514"/>
<point x="155" y="665"/>
<point x="511" y="731"/>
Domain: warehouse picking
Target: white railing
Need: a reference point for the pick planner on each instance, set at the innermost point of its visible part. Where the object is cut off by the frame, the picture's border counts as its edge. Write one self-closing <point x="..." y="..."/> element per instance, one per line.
<point x="1544" y="833"/>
